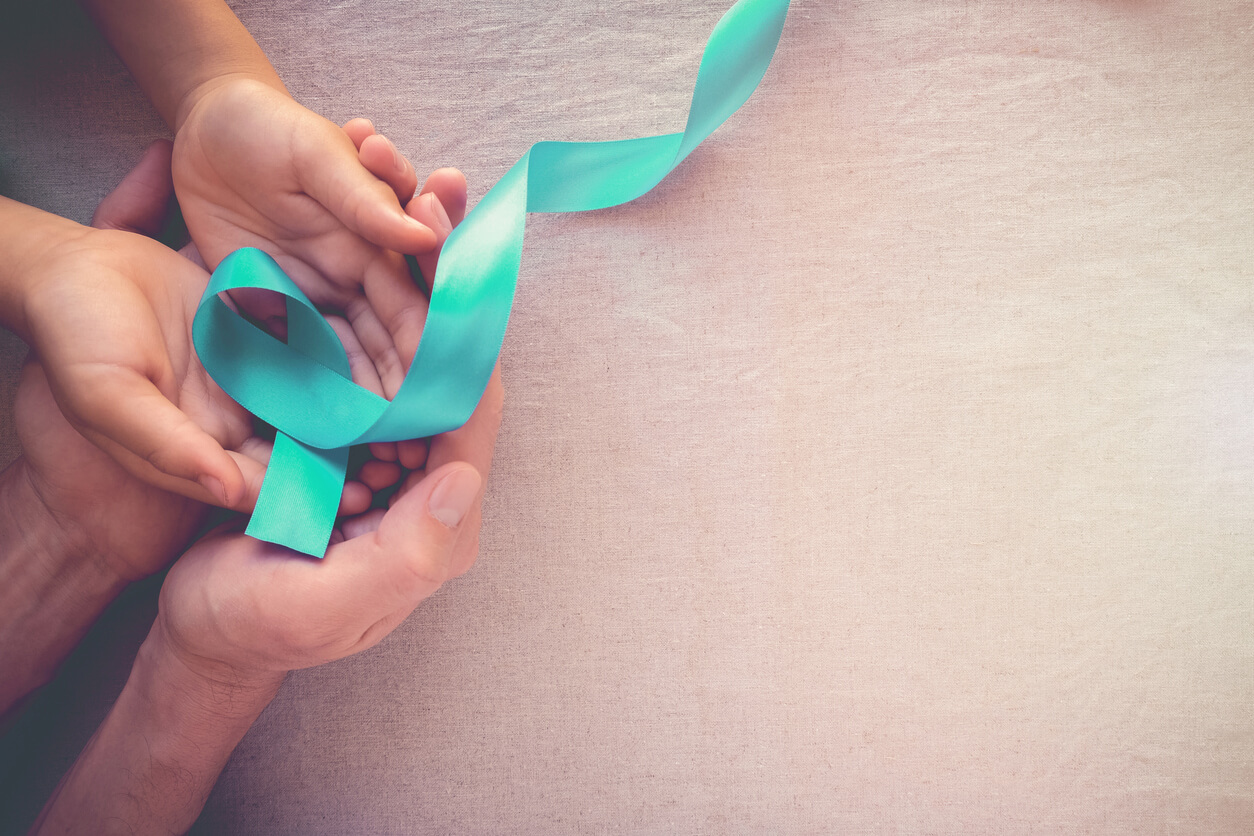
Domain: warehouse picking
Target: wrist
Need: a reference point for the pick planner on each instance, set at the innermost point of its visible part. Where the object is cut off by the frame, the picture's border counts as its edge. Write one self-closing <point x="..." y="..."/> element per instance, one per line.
<point x="156" y="756"/>
<point x="217" y="82"/>
<point x="209" y="686"/>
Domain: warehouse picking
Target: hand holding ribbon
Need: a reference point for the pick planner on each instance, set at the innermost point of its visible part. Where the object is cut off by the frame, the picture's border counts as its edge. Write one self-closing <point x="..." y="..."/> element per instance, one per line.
<point x="303" y="387"/>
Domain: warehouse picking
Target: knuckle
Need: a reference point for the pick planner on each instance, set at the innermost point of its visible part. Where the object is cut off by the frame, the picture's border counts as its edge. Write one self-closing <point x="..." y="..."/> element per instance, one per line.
<point x="424" y="573"/>
<point x="408" y="320"/>
<point x="165" y="453"/>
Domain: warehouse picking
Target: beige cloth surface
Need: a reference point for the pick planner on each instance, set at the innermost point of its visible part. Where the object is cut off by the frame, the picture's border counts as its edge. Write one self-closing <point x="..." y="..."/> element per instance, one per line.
<point x="889" y="469"/>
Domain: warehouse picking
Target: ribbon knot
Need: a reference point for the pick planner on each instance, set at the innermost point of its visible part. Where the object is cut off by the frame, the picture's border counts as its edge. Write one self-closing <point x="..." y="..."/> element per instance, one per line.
<point x="304" y="388"/>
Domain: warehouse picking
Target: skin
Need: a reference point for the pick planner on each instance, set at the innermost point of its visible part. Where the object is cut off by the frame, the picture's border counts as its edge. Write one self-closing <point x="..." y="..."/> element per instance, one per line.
<point x="82" y="516"/>
<point x="236" y="614"/>
<point x="125" y="437"/>
<point x="88" y="513"/>
<point x="334" y="206"/>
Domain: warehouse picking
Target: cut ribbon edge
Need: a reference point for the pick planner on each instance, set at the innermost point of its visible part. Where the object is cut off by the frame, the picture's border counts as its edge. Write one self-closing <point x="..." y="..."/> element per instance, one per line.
<point x="304" y="388"/>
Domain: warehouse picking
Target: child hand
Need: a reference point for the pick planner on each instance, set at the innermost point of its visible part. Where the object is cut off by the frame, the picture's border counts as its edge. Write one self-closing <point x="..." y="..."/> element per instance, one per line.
<point x="115" y="513"/>
<point x="254" y="168"/>
<point x="108" y="315"/>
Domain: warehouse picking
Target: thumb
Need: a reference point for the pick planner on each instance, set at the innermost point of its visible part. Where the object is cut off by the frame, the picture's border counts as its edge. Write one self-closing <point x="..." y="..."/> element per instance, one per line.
<point x="140" y="202"/>
<point x="331" y="173"/>
<point x="410" y="555"/>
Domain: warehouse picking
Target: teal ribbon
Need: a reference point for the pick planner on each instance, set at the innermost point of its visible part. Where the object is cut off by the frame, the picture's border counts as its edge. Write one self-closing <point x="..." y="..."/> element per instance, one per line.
<point x="304" y="388"/>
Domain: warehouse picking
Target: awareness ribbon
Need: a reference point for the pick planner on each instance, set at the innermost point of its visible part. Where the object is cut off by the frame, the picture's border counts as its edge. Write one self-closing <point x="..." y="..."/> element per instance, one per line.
<point x="304" y="388"/>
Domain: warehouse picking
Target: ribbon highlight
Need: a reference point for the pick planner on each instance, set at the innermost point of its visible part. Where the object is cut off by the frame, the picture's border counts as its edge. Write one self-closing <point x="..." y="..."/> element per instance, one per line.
<point x="304" y="387"/>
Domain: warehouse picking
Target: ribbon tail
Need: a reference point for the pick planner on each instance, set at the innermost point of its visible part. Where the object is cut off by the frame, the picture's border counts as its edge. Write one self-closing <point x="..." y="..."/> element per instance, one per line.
<point x="300" y="496"/>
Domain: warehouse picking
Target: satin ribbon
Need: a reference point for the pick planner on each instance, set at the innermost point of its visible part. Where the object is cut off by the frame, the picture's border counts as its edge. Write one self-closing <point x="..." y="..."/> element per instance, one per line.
<point x="304" y="387"/>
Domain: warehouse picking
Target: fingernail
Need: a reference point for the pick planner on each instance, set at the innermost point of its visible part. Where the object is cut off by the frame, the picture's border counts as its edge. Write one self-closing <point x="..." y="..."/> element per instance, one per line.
<point x="398" y="162"/>
<point x="414" y="222"/>
<point x="214" y="486"/>
<point x="437" y="209"/>
<point x="451" y="500"/>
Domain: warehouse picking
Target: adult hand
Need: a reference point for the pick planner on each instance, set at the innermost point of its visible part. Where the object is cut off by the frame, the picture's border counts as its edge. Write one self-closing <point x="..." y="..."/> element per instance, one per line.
<point x="236" y="614"/>
<point x="241" y="612"/>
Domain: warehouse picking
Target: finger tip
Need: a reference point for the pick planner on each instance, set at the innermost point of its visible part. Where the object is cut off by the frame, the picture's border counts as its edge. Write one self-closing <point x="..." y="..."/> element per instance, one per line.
<point x="220" y="489"/>
<point x="377" y="475"/>
<point x="355" y="499"/>
<point x="450" y="184"/>
<point x="384" y="451"/>
<point x="236" y="488"/>
<point x="253" y="474"/>
<point x="359" y="130"/>
<point x="412" y="454"/>
<point x="429" y="211"/>
<point x="160" y="148"/>
<point x="423" y="237"/>
<point x="449" y="177"/>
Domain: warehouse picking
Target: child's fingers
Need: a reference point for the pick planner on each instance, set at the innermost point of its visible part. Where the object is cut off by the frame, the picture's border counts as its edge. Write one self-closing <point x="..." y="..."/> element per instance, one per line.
<point x="449" y="185"/>
<point x="390" y="319"/>
<point x="360" y="364"/>
<point x="377" y="475"/>
<point x="358" y="129"/>
<point x="330" y="172"/>
<point x="141" y="201"/>
<point x="364" y="524"/>
<point x="427" y="209"/>
<point x="440" y="205"/>
<point x="382" y="159"/>
<point x="126" y="415"/>
<point x="379" y="345"/>
<point x="253" y="468"/>
<point x="384" y="451"/>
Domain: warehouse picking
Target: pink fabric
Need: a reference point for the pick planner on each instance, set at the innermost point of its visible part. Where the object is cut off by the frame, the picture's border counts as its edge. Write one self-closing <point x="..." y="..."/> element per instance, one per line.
<point x="941" y="519"/>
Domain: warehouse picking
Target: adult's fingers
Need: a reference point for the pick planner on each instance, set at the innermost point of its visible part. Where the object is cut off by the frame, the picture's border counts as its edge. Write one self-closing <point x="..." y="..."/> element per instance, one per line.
<point x="473" y="442"/>
<point x="449" y="185"/>
<point x="140" y="202"/>
<point x="409" y="555"/>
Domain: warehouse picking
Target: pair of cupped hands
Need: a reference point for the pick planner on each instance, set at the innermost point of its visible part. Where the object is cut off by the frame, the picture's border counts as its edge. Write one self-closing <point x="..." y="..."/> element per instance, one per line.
<point x="127" y="441"/>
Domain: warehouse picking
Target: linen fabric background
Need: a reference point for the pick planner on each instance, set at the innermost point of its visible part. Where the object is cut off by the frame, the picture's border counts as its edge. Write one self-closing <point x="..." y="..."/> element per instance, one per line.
<point x="889" y="469"/>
